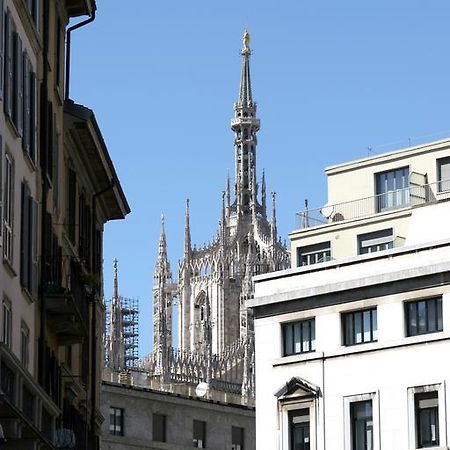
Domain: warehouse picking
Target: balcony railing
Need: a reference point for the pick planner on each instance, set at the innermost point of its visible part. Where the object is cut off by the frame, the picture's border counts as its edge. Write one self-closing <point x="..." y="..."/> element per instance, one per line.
<point x="413" y="195"/>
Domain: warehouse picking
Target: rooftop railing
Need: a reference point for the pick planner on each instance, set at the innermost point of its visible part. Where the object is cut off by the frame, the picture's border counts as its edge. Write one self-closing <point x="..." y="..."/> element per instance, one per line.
<point x="413" y="195"/>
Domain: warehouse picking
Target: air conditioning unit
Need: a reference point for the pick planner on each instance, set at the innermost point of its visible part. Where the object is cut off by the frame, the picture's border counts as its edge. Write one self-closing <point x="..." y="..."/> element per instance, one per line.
<point x="65" y="438"/>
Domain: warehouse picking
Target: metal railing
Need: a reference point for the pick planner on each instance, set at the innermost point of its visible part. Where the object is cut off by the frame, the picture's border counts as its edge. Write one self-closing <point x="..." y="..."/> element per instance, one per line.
<point x="364" y="207"/>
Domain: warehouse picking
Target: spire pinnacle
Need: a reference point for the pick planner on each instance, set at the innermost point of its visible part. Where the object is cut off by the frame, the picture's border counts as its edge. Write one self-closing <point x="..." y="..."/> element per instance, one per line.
<point x="274" y="218"/>
<point x="245" y="92"/>
<point x="263" y="193"/>
<point x="116" y="282"/>
<point x="162" y="264"/>
<point x="187" y="232"/>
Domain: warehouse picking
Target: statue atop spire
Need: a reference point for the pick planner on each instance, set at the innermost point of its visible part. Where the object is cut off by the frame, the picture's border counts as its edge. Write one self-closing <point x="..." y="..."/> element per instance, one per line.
<point x="246" y="42"/>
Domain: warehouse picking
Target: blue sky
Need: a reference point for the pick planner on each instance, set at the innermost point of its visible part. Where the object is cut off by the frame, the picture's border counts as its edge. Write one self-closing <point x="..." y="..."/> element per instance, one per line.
<point x="331" y="79"/>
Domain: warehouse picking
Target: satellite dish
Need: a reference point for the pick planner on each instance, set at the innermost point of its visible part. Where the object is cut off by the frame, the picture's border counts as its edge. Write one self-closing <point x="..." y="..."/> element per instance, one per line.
<point x="201" y="389"/>
<point x="327" y="210"/>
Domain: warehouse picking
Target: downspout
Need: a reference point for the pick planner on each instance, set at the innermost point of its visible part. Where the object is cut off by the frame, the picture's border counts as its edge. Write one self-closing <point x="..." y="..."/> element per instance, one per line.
<point x="68" y="46"/>
<point x="94" y="295"/>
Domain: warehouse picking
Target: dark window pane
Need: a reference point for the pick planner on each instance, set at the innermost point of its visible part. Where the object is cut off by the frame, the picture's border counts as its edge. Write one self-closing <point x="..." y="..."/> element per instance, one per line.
<point x="360" y="326"/>
<point x="298" y="337"/>
<point x="159" y="427"/>
<point x="427" y="419"/>
<point x="362" y="425"/>
<point x="299" y="429"/>
<point x="424" y="316"/>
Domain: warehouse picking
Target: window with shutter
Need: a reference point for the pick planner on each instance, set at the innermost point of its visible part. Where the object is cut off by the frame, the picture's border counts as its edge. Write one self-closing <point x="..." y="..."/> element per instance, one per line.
<point x="24" y="236"/>
<point x="8" y="211"/>
<point x="9" y="46"/>
<point x="2" y="48"/>
<point x="26" y="104"/>
<point x="72" y="194"/>
<point x="18" y="84"/>
<point x="33" y="115"/>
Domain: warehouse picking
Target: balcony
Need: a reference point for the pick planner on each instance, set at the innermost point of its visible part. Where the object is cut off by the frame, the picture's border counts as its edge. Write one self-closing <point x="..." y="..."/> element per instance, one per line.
<point x="414" y="195"/>
<point x="67" y="307"/>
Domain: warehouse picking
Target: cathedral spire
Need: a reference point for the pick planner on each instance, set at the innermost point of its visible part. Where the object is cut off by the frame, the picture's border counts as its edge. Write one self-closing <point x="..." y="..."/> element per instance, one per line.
<point x="245" y="125"/>
<point x="263" y="194"/>
<point x="245" y="91"/>
<point x="274" y="218"/>
<point x="187" y="233"/>
<point x="162" y="269"/>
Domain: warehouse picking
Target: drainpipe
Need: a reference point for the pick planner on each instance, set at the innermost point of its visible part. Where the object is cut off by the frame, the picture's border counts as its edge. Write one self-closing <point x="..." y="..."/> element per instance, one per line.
<point x="68" y="45"/>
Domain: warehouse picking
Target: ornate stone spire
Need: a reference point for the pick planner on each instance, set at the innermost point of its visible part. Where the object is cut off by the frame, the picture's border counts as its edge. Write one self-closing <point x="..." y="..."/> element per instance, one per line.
<point x="116" y="344"/>
<point x="187" y="234"/>
<point x="162" y="269"/>
<point x="263" y="195"/>
<point x="274" y="219"/>
<point x="245" y="91"/>
<point x="245" y="125"/>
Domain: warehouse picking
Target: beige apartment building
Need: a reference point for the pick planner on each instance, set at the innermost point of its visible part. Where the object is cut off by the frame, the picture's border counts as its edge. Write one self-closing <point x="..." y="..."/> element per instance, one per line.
<point x="351" y="342"/>
<point x="58" y="188"/>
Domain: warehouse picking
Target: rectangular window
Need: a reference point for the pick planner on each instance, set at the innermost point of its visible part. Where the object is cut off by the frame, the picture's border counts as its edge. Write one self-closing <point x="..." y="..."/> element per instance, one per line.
<point x="72" y="204"/>
<point x="8" y="212"/>
<point x="58" y="52"/>
<point x="17" y="110"/>
<point x="237" y="438"/>
<point x="427" y="419"/>
<point x="360" y="326"/>
<point x="299" y="337"/>
<point x="116" y="421"/>
<point x="199" y="434"/>
<point x="443" y="174"/>
<point x="28" y="243"/>
<point x="299" y="430"/>
<point x="361" y="421"/>
<point x="7" y="323"/>
<point x="375" y="241"/>
<point x="2" y="51"/>
<point x="24" y="345"/>
<point x="33" y="10"/>
<point x="313" y="254"/>
<point x="424" y="316"/>
<point x="392" y="189"/>
<point x="159" y="427"/>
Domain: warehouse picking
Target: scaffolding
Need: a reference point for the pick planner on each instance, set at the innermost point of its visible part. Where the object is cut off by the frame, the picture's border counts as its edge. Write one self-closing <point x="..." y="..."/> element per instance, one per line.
<point x="129" y="309"/>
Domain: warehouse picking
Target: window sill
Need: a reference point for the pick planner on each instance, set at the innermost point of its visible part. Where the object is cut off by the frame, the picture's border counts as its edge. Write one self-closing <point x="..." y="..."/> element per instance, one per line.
<point x="27" y="295"/>
<point x="31" y="164"/>
<point x="12" y="126"/>
<point x="9" y="267"/>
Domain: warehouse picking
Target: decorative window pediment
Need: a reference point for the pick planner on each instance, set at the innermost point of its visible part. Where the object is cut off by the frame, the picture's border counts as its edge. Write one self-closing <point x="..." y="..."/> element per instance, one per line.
<point x="297" y="388"/>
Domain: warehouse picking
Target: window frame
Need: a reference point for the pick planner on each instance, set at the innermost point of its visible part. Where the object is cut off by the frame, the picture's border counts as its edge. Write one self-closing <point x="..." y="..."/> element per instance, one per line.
<point x="412" y="422"/>
<point x="373" y="330"/>
<point x="199" y="440"/>
<point x="117" y="428"/>
<point x="426" y="301"/>
<point x="379" y="238"/>
<point x="374" y="397"/>
<point x="8" y="208"/>
<point x="312" y="251"/>
<point x="7" y="320"/>
<point x="386" y="200"/>
<point x="311" y="321"/>
<point x="163" y="418"/>
<point x="237" y="445"/>
<point x="24" y="345"/>
<point x="439" y="162"/>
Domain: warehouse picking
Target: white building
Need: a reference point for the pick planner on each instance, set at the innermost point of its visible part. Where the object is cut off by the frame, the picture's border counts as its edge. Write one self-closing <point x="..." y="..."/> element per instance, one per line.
<point x="351" y="343"/>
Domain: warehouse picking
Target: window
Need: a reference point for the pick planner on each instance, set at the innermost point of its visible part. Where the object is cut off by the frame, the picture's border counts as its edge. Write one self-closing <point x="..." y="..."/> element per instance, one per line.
<point x="443" y="174"/>
<point x="2" y="33"/>
<point x="8" y="200"/>
<point x="299" y="429"/>
<point x="29" y="109"/>
<point x="24" y="345"/>
<point x="392" y="189"/>
<point x="375" y="241"/>
<point x="424" y="316"/>
<point x="28" y="243"/>
<point x="116" y="421"/>
<point x="360" y="326"/>
<point x="58" y="52"/>
<point x="237" y="438"/>
<point x="72" y="204"/>
<point x="33" y="9"/>
<point x="199" y="434"/>
<point x="159" y="427"/>
<point x="7" y="323"/>
<point x="361" y="421"/>
<point x="427" y="419"/>
<point x="313" y="254"/>
<point x="299" y="337"/>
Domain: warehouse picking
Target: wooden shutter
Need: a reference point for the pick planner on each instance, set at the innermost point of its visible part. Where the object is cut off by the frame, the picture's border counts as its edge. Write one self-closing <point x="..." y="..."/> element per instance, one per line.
<point x="50" y="141"/>
<point x="25" y="237"/>
<point x="2" y="49"/>
<point x="9" y="47"/>
<point x="34" y="249"/>
<point x="18" y="61"/>
<point x="33" y="115"/>
<point x="26" y="104"/>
